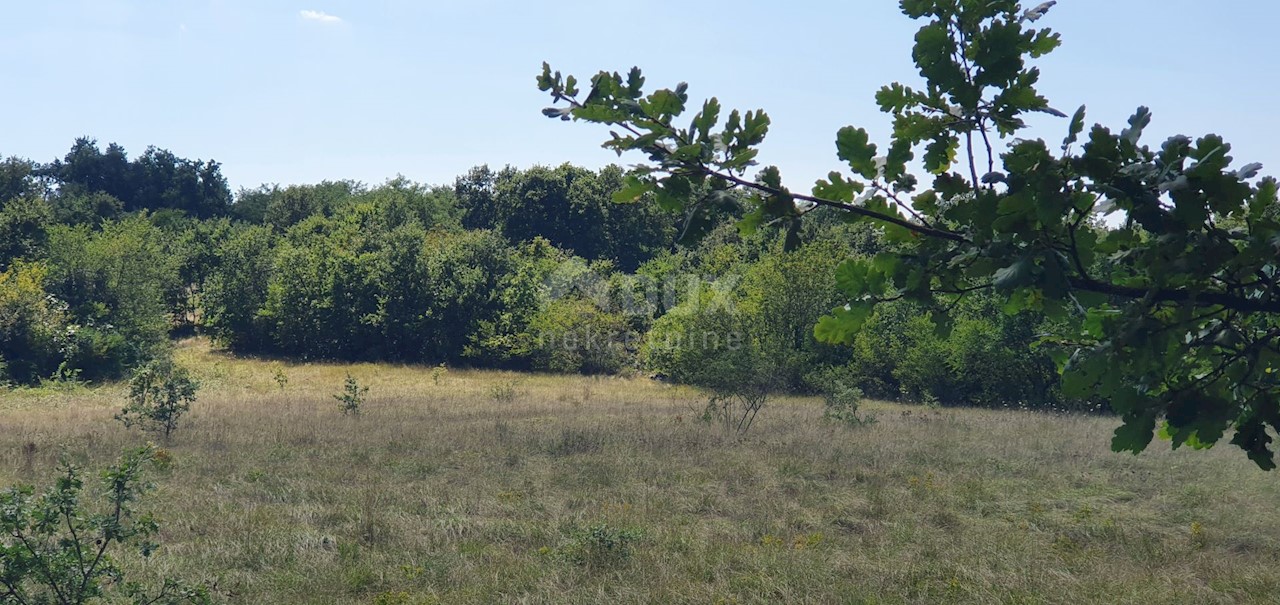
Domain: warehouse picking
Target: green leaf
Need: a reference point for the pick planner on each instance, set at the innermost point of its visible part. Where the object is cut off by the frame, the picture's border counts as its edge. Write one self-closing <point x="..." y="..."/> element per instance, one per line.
<point x="997" y="54"/>
<point x="632" y="189"/>
<point x="1020" y="273"/>
<point x="842" y="325"/>
<point x="1097" y="319"/>
<point x="895" y="98"/>
<point x="1045" y="42"/>
<point x="770" y="177"/>
<point x="1251" y="436"/>
<point x="851" y="277"/>
<point x="1137" y="123"/>
<point x="597" y="113"/>
<point x="926" y="202"/>
<point x="1077" y="127"/>
<point x="662" y="104"/>
<point x="836" y="188"/>
<point x="751" y="221"/>
<point x="1266" y="197"/>
<point x="895" y="165"/>
<point x="740" y="160"/>
<point x="940" y="154"/>
<point x="853" y="146"/>
<point x="689" y="153"/>
<point x="707" y="118"/>
<point x="635" y="83"/>
<point x="673" y="193"/>
<point x="886" y="263"/>
<point x="917" y="8"/>
<point x="933" y="54"/>
<point x="755" y="125"/>
<point x="1135" y="434"/>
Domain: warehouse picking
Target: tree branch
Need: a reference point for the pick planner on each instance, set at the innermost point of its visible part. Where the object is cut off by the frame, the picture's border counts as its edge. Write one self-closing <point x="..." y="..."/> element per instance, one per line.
<point x="1179" y="295"/>
<point x="896" y="220"/>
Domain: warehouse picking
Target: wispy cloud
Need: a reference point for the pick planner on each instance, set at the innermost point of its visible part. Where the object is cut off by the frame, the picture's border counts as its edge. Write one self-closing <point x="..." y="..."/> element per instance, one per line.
<point x="319" y="16"/>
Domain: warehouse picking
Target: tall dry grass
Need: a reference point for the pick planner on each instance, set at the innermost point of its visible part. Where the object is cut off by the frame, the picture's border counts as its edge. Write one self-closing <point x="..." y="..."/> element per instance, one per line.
<point x="445" y="491"/>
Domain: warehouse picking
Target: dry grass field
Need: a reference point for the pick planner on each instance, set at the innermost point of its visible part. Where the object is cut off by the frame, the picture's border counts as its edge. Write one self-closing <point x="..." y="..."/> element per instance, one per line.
<point x="487" y="487"/>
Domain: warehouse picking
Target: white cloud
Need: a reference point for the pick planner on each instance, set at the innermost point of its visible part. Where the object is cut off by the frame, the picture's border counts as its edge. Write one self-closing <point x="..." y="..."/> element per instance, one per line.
<point x="320" y="16"/>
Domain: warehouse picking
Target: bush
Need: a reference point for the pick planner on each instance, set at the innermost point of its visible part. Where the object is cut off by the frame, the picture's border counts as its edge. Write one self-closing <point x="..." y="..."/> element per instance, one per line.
<point x="115" y="281"/>
<point x="351" y="397"/>
<point x="506" y="391"/>
<point x="97" y="352"/>
<point x="575" y="335"/>
<point x="160" y="393"/>
<point x="236" y="290"/>
<point x="340" y="291"/>
<point x="985" y="359"/>
<point x="701" y="342"/>
<point x="840" y="397"/>
<point x="781" y="298"/>
<point x="704" y="342"/>
<point x="765" y="299"/>
<point x="33" y="325"/>
<point x="58" y="547"/>
<point x="23" y="228"/>
<point x="481" y="299"/>
<point x="322" y="301"/>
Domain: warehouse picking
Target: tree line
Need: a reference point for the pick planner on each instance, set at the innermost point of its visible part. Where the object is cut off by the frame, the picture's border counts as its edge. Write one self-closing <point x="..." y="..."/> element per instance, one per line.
<point x="107" y="259"/>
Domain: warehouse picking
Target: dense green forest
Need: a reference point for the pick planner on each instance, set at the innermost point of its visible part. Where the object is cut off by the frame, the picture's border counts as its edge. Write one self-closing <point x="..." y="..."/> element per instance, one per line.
<point x="105" y="259"/>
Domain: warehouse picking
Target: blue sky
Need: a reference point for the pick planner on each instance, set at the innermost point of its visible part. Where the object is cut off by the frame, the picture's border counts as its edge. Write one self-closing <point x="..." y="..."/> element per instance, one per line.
<point x="296" y="92"/>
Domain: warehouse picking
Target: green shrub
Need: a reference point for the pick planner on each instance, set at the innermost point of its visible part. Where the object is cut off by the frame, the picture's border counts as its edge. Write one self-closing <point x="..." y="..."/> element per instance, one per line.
<point x="33" y="325"/>
<point x="352" y="396"/>
<point x="840" y="397"/>
<point x="480" y="295"/>
<point x="160" y="394"/>
<point x="115" y="281"/>
<point x="24" y="224"/>
<point x="701" y="342"/>
<point x="780" y="299"/>
<point x="59" y="547"/>
<point x="985" y="359"/>
<point x="322" y="301"/>
<point x="506" y="391"/>
<point x="705" y="342"/>
<point x="236" y="290"/>
<point x="576" y="336"/>
<point x="281" y="379"/>
<point x="341" y="289"/>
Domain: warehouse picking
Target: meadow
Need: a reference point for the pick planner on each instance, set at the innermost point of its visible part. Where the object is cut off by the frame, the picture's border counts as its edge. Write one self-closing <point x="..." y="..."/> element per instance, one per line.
<point x="460" y="486"/>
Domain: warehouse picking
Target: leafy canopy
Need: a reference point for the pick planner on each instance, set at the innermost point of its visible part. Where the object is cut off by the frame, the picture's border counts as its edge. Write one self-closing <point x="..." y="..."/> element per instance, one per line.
<point x="1171" y="314"/>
